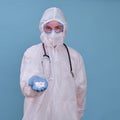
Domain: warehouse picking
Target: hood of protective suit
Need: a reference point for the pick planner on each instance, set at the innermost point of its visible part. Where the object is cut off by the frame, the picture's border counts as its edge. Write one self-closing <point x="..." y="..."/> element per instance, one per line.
<point x="49" y="15"/>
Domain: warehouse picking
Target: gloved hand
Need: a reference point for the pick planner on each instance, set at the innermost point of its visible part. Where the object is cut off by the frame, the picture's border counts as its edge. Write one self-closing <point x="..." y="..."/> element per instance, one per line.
<point x="37" y="83"/>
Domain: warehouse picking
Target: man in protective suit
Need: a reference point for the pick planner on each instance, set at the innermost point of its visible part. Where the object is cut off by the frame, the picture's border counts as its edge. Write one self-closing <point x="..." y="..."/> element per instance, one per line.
<point x="52" y="76"/>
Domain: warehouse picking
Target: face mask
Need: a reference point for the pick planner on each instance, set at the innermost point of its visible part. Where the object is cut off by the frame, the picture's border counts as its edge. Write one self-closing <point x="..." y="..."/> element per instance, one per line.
<point x="52" y="39"/>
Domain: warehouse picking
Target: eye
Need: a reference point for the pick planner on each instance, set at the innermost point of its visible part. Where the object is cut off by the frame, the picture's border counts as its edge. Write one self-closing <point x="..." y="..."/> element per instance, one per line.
<point x="47" y="28"/>
<point x="59" y="28"/>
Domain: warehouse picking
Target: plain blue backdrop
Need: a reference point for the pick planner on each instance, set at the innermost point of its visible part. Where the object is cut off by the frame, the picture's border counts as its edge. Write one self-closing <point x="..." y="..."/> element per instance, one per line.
<point x="93" y="30"/>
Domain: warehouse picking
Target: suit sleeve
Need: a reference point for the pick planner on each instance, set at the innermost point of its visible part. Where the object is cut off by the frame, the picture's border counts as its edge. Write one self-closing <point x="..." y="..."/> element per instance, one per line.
<point x="26" y="71"/>
<point x="81" y="85"/>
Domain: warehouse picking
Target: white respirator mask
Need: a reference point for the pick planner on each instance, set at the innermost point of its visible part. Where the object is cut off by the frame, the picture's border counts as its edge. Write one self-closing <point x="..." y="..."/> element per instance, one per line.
<point x="52" y="39"/>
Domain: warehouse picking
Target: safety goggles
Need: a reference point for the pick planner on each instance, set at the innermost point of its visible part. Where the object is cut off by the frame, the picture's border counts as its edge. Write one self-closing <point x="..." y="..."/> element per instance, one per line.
<point x="53" y="25"/>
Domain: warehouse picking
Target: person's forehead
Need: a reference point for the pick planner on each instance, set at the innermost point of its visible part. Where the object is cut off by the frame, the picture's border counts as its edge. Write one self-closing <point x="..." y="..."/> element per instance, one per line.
<point x="53" y="23"/>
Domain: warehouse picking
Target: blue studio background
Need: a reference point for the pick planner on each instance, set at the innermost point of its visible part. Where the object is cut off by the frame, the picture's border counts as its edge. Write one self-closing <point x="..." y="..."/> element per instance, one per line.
<point x="93" y="30"/>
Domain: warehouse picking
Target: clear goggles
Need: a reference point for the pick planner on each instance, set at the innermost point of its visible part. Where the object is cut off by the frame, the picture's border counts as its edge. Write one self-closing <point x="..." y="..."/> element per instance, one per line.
<point x="53" y="25"/>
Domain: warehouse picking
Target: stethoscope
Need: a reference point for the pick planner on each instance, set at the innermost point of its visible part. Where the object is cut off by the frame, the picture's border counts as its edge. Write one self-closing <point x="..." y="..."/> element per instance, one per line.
<point x="70" y="63"/>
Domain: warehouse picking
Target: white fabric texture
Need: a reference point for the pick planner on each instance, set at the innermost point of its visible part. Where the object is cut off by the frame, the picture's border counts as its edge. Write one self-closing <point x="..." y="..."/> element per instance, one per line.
<point x="52" y="14"/>
<point x="64" y="99"/>
<point x="52" y="39"/>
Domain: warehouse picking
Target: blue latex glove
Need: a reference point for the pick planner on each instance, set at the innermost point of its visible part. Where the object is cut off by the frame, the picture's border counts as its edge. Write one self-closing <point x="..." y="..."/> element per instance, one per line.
<point x="37" y="83"/>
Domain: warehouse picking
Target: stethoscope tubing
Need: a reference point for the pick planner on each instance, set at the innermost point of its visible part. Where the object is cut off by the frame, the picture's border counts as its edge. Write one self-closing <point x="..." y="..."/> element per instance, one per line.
<point x="70" y="63"/>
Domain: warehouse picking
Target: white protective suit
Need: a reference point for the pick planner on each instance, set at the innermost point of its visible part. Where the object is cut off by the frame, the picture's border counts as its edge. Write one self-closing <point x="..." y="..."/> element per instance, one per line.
<point x="64" y="99"/>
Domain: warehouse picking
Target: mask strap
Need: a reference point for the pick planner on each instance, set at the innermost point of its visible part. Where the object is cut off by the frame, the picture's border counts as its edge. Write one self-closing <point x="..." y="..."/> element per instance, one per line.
<point x="69" y="59"/>
<point x="45" y="54"/>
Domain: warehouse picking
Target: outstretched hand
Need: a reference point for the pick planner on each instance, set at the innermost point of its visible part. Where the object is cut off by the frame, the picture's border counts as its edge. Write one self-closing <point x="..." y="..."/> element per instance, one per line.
<point x="37" y="83"/>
